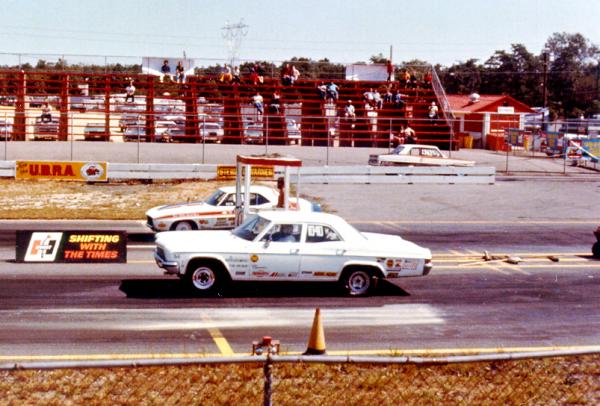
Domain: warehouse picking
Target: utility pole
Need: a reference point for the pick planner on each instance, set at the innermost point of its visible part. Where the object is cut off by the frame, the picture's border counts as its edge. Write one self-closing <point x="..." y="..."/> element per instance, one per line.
<point x="544" y="86"/>
<point x="233" y="34"/>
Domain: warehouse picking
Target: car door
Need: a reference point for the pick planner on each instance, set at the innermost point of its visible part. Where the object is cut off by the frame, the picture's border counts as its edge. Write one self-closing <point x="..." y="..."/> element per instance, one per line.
<point x="322" y="254"/>
<point x="275" y="258"/>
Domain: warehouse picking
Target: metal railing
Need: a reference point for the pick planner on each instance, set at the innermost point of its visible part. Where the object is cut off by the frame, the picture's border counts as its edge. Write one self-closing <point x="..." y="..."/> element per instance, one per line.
<point x="541" y="378"/>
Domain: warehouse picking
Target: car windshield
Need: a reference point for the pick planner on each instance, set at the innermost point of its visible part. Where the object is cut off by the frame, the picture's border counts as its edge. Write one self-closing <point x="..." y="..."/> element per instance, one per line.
<point x="251" y="228"/>
<point x="215" y="197"/>
<point x="398" y="149"/>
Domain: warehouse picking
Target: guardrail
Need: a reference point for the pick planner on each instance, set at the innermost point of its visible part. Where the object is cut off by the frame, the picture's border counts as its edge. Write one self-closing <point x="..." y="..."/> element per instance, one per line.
<point x="308" y="175"/>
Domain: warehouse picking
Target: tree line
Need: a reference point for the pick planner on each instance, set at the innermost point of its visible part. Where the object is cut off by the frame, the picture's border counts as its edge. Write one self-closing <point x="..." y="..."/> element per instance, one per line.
<point x="568" y="69"/>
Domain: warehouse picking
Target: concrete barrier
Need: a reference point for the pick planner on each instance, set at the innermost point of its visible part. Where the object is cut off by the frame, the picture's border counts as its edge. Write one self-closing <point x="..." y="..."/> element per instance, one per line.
<point x="308" y="174"/>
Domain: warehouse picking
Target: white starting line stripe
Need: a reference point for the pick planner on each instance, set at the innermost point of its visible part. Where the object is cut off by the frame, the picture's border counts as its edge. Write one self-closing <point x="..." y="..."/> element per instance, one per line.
<point x="220" y="319"/>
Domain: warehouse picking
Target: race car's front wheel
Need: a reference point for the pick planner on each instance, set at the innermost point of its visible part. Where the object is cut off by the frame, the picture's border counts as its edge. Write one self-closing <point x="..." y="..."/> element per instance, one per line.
<point x="357" y="282"/>
<point x="184" y="226"/>
<point x="206" y="277"/>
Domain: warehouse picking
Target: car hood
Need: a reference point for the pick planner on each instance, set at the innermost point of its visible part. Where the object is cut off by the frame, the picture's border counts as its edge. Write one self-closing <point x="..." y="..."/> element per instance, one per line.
<point x="196" y="208"/>
<point x="200" y="241"/>
<point x="382" y="244"/>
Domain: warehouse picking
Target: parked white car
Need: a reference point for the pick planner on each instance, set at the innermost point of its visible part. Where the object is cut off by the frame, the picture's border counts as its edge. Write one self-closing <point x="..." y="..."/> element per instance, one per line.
<point x="289" y="246"/>
<point x="216" y="212"/>
<point x="417" y="155"/>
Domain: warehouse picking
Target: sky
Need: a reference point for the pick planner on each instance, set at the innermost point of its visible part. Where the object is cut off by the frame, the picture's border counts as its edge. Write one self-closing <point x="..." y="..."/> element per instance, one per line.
<point x="343" y="31"/>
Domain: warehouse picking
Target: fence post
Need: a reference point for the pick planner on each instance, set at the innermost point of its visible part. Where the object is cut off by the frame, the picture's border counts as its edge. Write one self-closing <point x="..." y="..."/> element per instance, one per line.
<point x="266" y="130"/>
<point x="6" y="135"/>
<point x="268" y="377"/>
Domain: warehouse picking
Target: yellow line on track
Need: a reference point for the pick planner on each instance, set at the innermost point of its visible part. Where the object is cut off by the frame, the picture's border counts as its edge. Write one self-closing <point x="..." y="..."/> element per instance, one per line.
<point x="220" y="341"/>
<point x="522" y="222"/>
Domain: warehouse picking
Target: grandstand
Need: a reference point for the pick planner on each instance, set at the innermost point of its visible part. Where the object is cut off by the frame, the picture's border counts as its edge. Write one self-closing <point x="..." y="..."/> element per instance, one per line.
<point x="187" y="106"/>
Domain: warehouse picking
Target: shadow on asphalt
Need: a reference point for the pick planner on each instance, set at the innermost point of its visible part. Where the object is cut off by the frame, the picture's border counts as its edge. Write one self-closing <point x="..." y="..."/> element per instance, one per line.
<point x="171" y="288"/>
<point x="141" y="237"/>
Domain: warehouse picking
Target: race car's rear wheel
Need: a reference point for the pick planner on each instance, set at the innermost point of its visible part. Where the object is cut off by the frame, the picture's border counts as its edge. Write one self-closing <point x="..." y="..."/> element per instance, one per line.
<point x="206" y="277"/>
<point x="183" y="226"/>
<point x="357" y="282"/>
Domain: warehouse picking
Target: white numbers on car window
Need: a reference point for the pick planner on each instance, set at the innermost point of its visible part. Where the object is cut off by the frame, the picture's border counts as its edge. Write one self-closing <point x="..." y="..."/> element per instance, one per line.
<point x="315" y="231"/>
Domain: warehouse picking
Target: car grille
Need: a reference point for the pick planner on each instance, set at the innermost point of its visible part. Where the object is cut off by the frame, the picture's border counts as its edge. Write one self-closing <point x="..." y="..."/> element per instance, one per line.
<point x="149" y="221"/>
<point x="160" y="252"/>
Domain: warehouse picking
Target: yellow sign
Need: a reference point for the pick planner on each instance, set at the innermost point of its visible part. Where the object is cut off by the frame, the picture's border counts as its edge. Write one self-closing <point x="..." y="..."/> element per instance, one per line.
<point x="228" y="172"/>
<point x="80" y="171"/>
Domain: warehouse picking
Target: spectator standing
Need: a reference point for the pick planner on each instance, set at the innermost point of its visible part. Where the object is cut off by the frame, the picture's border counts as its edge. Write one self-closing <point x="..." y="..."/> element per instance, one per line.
<point x="390" y="71"/>
<point x="322" y="91"/>
<point x="428" y="78"/>
<point x="130" y="92"/>
<point x="332" y="92"/>
<point x="258" y="103"/>
<point x="179" y="73"/>
<point x="433" y="113"/>
<point x="165" y="70"/>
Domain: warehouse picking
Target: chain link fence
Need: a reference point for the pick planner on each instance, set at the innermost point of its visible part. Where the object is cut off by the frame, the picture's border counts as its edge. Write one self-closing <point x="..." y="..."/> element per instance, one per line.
<point x="486" y="380"/>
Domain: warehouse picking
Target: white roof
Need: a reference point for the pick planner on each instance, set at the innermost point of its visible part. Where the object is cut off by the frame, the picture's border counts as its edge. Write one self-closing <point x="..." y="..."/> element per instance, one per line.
<point x="294" y="216"/>
<point x="253" y="189"/>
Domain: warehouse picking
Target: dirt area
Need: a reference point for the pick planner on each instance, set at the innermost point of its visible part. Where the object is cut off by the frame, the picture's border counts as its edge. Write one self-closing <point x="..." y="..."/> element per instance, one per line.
<point x="37" y="199"/>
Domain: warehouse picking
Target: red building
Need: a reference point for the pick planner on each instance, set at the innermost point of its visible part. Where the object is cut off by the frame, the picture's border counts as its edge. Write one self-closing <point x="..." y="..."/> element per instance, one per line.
<point x="486" y="116"/>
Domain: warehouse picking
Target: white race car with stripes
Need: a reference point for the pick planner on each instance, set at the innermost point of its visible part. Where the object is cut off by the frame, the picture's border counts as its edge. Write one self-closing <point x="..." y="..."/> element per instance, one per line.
<point x="216" y="212"/>
<point x="289" y="246"/>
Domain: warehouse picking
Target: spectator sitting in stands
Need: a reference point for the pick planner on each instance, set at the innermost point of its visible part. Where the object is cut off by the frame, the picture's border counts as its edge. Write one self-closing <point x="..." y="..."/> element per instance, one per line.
<point x="322" y="90"/>
<point x="398" y="102"/>
<point x="254" y="75"/>
<point x="369" y="96"/>
<point x="226" y="74"/>
<point x="295" y="74"/>
<point x="349" y="111"/>
<point x="275" y="105"/>
<point x="130" y="92"/>
<point x="286" y="75"/>
<point x="332" y="92"/>
<point x="377" y="100"/>
<point x="388" y="97"/>
<point x="46" y="113"/>
<point x="179" y="73"/>
<point x="433" y="113"/>
<point x="406" y="78"/>
<point x="427" y="79"/>
<point x="236" y="78"/>
<point x="166" y="71"/>
<point x="410" y="135"/>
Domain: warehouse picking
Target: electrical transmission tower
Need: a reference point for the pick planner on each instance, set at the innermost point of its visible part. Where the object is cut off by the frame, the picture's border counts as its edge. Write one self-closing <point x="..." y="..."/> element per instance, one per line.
<point x="233" y="35"/>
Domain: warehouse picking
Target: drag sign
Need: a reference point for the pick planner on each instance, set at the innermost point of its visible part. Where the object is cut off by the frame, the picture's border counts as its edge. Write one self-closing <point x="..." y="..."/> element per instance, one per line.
<point x="79" y="171"/>
<point x="71" y="246"/>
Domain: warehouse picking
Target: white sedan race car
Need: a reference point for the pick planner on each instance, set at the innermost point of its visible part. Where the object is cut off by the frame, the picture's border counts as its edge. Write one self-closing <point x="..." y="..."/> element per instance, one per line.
<point x="289" y="246"/>
<point x="217" y="212"/>
<point x="417" y="155"/>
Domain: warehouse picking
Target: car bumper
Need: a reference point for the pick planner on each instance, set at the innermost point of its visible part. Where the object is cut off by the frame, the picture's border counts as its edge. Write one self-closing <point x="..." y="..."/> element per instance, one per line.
<point x="170" y="267"/>
<point x="427" y="268"/>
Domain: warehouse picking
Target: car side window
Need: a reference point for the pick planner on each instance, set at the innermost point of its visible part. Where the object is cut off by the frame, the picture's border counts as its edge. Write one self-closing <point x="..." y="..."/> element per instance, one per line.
<point x="258" y="199"/>
<point x="415" y="151"/>
<point x="284" y="233"/>
<point x="229" y="200"/>
<point x="321" y="233"/>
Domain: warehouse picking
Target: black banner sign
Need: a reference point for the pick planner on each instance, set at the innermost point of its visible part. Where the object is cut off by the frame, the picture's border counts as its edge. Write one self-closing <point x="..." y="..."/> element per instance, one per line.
<point x="71" y="246"/>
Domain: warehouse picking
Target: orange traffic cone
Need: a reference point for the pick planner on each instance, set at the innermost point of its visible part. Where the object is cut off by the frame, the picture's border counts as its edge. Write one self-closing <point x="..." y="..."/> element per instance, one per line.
<point x="316" y="341"/>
